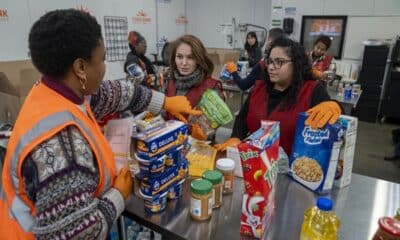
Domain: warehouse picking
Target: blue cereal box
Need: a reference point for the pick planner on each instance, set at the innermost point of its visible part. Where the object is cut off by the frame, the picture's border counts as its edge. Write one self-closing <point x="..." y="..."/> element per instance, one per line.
<point x="315" y="155"/>
<point x="157" y="141"/>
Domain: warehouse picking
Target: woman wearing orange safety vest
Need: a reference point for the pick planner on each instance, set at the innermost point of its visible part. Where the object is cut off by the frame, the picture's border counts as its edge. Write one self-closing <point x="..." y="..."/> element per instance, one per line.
<point x="59" y="179"/>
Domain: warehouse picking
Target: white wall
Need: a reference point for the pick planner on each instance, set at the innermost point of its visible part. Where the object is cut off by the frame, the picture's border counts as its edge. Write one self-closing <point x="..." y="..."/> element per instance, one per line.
<point x="205" y="16"/>
<point x="23" y="13"/>
<point x="366" y="19"/>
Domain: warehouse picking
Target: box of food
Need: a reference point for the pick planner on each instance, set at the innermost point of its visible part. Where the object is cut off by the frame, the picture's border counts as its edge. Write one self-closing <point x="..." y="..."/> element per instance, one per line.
<point x="259" y="158"/>
<point x="160" y="139"/>
<point x="346" y="156"/>
<point x="154" y="186"/>
<point x="259" y="154"/>
<point x="315" y="154"/>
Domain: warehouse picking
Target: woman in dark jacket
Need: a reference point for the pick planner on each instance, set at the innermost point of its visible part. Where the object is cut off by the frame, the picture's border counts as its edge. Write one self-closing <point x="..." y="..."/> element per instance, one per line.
<point x="253" y="51"/>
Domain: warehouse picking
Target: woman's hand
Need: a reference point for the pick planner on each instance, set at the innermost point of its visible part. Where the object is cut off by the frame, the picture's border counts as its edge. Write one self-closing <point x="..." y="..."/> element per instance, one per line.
<point x="323" y="113"/>
<point x="179" y="105"/>
<point x="123" y="182"/>
<point x="231" y="142"/>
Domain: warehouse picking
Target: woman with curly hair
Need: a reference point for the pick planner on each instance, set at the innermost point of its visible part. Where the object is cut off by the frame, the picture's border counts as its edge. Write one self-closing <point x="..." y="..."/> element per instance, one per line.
<point x="288" y="91"/>
<point x="59" y="178"/>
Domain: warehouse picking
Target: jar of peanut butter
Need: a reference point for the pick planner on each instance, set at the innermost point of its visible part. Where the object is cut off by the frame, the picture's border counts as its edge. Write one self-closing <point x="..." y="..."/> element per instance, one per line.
<point x="215" y="177"/>
<point x="201" y="200"/>
<point x="226" y="166"/>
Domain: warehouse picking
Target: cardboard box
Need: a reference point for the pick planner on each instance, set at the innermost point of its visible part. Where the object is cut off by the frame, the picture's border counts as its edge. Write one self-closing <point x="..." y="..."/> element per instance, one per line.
<point x="259" y="157"/>
<point x="315" y="154"/>
<point x="16" y="80"/>
<point x="219" y="56"/>
<point x="346" y="156"/>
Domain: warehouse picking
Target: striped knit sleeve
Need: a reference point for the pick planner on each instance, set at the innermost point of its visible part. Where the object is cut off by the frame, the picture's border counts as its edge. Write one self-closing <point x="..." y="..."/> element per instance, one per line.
<point x="66" y="174"/>
<point x="121" y="95"/>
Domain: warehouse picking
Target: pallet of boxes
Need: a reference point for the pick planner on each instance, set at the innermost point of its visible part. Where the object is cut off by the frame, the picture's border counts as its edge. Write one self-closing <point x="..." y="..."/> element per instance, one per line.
<point x="159" y="163"/>
<point x="259" y="158"/>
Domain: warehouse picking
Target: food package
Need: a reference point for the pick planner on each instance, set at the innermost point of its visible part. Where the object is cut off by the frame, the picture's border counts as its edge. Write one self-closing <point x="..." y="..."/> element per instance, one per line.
<point x="346" y="156"/>
<point x="145" y="121"/>
<point x="159" y="140"/>
<point x="215" y="109"/>
<point x="259" y="154"/>
<point x="315" y="155"/>
<point x="259" y="157"/>
<point x="154" y="186"/>
<point x="201" y="157"/>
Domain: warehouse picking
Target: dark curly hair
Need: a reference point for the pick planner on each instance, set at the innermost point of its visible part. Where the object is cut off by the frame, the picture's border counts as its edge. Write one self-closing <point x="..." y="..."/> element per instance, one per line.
<point x="59" y="37"/>
<point x="301" y="69"/>
<point x="325" y="40"/>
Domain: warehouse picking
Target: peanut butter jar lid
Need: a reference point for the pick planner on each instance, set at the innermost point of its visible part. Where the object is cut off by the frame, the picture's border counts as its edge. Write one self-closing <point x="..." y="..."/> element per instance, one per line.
<point x="201" y="186"/>
<point x="225" y="164"/>
<point x="214" y="176"/>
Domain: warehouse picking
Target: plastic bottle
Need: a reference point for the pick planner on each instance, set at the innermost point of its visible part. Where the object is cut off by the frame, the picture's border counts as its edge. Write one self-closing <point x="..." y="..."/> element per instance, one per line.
<point x="347" y="92"/>
<point x="320" y="223"/>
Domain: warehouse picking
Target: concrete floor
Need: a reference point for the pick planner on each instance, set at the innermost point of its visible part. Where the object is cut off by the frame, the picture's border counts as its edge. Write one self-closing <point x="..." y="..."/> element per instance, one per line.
<point x="374" y="141"/>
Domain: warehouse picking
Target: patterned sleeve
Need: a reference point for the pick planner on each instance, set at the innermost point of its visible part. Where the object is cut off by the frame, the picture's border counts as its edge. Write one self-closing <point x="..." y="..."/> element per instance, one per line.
<point x="121" y="95"/>
<point x="65" y="175"/>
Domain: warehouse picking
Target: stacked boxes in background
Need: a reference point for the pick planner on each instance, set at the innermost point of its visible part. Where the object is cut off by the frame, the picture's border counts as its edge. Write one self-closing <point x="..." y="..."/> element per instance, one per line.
<point x="160" y="153"/>
<point x="259" y="154"/>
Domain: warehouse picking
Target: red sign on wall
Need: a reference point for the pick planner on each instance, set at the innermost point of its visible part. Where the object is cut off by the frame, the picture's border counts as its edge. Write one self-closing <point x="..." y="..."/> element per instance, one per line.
<point x="141" y="18"/>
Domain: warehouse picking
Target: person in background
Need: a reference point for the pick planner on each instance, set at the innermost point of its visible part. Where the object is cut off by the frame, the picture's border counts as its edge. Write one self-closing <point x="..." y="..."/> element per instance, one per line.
<point x="252" y="50"/>
<point x="287" y="92"/>
<point x="59" y="179"/>
<point x="319" y="59"/>
<point x="138" y="46"/>
<point x="259" y="69"/>
<point x="190" y="74"/>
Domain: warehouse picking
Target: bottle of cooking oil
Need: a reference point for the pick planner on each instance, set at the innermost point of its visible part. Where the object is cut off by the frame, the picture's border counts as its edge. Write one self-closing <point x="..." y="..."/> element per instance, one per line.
<point x="320" y="222"/>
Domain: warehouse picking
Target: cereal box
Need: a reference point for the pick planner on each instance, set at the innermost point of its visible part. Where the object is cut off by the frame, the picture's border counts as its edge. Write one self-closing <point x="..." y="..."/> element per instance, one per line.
<point x="346" y="156"/>
<point x="259" y="154"/>
<point x="314" y="156"/>
<point x="158" y="140"/>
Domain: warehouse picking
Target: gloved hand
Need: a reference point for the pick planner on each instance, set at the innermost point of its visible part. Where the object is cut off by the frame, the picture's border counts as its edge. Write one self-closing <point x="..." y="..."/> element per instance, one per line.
<point x="123" y="182"/>
<point x="316" y="73"/>
<point x="231" y="142"/>
<point x="197" y="132"/>
<point x="179" y="105"/>
<point x="231" y="67"/>
<point x="323" y="113"/>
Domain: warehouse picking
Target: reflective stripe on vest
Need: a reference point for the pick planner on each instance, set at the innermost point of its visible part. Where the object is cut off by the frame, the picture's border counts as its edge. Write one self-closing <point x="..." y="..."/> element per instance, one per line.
<point x="19" y="209"/>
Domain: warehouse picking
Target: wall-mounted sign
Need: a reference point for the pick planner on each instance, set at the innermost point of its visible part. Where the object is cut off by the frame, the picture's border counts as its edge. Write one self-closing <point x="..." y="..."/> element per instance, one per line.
<point x="181" y="20"/>
<point x="3" y="15"/>
<point x="141" y="18"/>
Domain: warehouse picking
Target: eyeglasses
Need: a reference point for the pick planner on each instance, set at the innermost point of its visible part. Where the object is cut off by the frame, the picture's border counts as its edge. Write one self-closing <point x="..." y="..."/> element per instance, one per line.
<point x="277" y="62"/>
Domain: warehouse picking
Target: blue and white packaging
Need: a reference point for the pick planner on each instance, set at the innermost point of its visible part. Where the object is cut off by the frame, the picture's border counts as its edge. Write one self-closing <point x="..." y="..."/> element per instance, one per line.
<point x="315" y="155"/>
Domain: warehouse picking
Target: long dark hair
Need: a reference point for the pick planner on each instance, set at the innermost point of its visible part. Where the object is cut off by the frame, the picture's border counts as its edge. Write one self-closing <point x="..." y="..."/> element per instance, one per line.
<point x="247" y="45"/>
<point x="301" y="69"/>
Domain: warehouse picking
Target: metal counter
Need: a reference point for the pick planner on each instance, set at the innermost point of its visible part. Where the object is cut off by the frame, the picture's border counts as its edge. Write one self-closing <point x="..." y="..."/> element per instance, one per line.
<point x="359" y="206"/>
<point x="347" y="104"/>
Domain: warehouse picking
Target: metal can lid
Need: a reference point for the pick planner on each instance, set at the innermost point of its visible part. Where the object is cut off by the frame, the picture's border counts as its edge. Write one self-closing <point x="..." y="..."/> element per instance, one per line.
<point x="201" y="186"/>
<point x="390" y="225"/>
<point x="214" y="176"/>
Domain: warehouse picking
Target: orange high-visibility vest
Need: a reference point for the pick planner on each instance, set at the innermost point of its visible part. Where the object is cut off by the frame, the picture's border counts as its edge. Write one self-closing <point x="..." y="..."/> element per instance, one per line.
<point x="44" y="113"/>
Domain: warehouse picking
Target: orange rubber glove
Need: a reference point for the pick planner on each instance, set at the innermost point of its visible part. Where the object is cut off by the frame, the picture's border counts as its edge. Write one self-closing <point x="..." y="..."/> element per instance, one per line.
<point x="123" y="182"/>
<point x="231" y="67"/>
<point x="179" y="105"/>
<point x="323" y="113"/>
<point x="197" y="132"/>
<point x="231" y="142"/>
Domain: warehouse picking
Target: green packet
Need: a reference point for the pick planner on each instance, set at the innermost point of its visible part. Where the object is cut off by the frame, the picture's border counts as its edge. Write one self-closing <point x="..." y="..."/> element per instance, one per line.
<point x="215" y="109"/>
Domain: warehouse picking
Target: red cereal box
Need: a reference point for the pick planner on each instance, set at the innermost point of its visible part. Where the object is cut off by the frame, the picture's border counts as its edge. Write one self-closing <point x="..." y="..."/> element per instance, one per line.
<point x="259" y="154"/>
